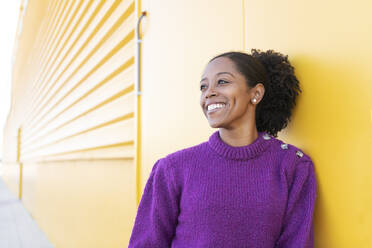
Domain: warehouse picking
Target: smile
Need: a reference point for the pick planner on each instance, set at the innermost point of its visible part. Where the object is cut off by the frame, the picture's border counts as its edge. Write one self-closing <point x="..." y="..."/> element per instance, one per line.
<point x="215" y="107"/>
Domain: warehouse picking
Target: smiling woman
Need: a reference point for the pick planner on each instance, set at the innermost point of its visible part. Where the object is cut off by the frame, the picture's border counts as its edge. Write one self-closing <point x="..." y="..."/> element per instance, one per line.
<point x="243" y="187"/>
<point x="222" y="84"/>
<point x="263" y="79"/>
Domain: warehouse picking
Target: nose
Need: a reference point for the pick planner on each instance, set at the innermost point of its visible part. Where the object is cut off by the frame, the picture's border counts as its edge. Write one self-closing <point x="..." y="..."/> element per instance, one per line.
<point x="210" y="92"/>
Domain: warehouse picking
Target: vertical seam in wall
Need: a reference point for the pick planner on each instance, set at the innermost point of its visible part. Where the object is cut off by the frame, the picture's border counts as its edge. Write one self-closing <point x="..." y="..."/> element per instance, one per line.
<point x="138" y="142"/>
<point x="243" y="14"/>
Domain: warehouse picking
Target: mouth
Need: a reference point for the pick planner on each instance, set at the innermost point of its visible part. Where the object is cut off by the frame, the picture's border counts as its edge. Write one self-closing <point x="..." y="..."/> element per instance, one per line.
<point x="214" y="108"/>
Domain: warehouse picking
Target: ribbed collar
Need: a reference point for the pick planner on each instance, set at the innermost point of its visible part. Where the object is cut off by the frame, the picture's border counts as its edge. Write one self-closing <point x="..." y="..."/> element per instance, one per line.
<point x="239" y="152"/>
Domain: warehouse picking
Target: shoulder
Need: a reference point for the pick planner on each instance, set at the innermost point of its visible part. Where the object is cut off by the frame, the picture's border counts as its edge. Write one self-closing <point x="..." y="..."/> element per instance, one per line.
<point x="288" y="150"/>
<point x="175" y="165"/>
<point x="186" y="155"/>
<point x="293" y="158"/>
<point x="185" y="158"/>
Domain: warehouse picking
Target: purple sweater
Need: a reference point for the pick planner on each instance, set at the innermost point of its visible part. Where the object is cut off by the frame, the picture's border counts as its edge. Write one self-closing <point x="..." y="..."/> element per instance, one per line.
<point x="215" y="195"/>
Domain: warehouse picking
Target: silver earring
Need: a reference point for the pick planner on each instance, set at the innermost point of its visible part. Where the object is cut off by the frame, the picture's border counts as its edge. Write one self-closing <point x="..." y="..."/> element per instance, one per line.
<point x="254" y="100"/>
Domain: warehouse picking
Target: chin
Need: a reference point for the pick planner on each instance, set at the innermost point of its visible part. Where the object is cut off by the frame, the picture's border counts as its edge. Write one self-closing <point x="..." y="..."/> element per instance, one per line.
<point x="215" y="124"/>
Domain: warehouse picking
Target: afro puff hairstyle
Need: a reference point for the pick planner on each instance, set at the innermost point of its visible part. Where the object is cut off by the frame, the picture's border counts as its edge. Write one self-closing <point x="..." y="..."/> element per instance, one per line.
<point x="274" y="71"/>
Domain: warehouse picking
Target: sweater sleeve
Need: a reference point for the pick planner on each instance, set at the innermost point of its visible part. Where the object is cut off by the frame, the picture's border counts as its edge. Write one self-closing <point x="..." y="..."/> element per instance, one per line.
<point x="297" y="228"/>
<point x="158" y="210"/>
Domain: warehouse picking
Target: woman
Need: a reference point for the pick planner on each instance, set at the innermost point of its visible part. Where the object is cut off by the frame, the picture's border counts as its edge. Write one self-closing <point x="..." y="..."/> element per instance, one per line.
<point x="243" y="187"/>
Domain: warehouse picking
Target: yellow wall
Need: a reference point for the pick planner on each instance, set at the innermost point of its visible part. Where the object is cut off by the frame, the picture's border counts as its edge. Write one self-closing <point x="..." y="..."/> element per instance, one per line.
<point x="73" y="98"/>
<point x="179" y="39"/>
<point x="329" y="43"/>
<point x="82" y="203"/>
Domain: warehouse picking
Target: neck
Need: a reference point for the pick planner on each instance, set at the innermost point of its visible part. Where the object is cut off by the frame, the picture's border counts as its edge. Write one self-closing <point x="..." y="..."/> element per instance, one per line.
<point x="240" y="136"/>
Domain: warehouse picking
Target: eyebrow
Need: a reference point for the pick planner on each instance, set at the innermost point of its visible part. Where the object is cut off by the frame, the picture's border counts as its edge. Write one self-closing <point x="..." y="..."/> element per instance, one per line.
<point x="223" y="72"/>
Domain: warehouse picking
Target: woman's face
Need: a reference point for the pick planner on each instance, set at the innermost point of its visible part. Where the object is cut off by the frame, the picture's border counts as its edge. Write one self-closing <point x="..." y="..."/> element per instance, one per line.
<point x="223" y="85"/>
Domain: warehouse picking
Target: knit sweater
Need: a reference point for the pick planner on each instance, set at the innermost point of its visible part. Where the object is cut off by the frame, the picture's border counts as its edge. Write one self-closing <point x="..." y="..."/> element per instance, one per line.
<point x="213" y="195"/>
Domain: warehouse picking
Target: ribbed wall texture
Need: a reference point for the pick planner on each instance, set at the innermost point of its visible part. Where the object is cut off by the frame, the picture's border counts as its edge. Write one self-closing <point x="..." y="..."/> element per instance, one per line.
<point x="79" y="78"/>
<point x="69" y="140"/>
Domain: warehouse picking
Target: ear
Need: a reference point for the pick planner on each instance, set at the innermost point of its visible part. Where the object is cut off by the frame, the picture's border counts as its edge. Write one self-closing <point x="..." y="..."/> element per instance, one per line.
<point x="258" y="92"/>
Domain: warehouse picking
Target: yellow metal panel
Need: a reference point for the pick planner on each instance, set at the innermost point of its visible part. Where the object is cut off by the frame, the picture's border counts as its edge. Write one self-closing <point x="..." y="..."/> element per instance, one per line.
<point x="108" y="133"/>
<point x="123" y="150"/>
<point x="94" y="96"/>
<point x="80" y="73"/>
<point x="60" y="22"/>
<point x="73" y="96"/>
<point x="83" y="116"/>
<point x="329" y="45"/>
<point x="82" y="203"/>
<point x="88" y="82"/>
<point x="83" y="22"/>
<point x="66" y="35"/>
<point x="105" y="56"/>
<point x="178" y="41"/>
<point x="47" y="64"/>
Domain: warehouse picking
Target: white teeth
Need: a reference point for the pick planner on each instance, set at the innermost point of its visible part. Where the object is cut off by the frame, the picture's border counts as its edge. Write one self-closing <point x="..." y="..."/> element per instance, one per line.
<point x="216" y="105"/>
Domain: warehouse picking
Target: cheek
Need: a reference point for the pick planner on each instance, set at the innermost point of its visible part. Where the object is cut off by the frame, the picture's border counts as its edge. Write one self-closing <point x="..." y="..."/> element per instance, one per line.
<point x="240" y="103"/>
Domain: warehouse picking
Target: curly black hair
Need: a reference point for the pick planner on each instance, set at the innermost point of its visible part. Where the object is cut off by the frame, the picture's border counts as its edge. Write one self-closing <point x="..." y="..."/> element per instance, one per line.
<point x="274" y="71"/>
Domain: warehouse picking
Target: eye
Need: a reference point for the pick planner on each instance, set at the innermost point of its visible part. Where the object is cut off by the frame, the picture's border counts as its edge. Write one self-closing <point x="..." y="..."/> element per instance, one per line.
<point x="221" y="80"/>
<point x="201" y="87"/>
